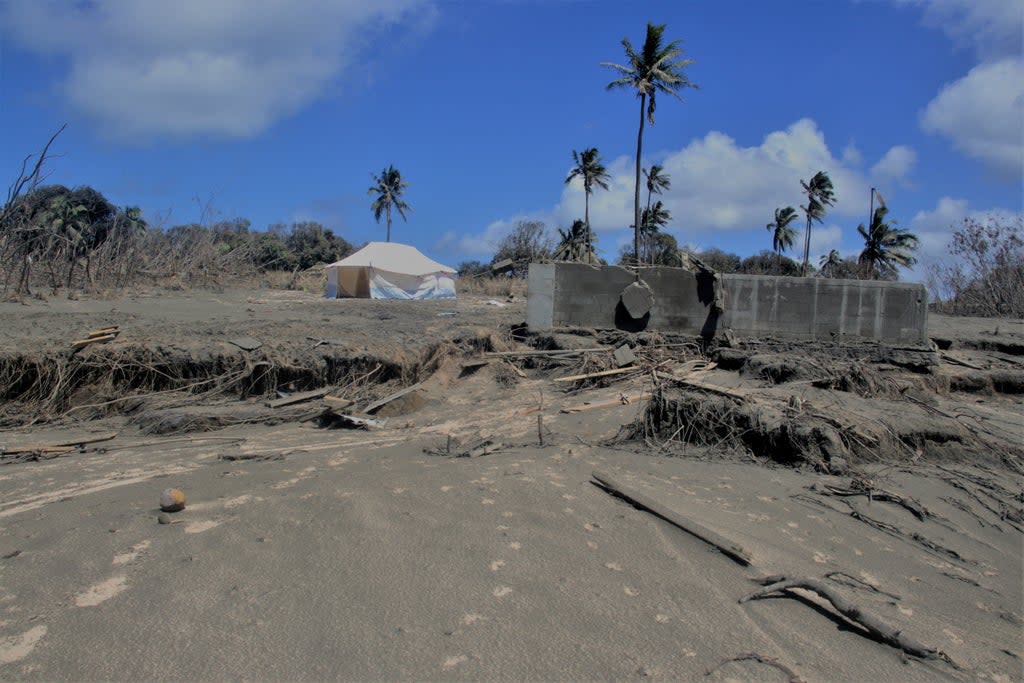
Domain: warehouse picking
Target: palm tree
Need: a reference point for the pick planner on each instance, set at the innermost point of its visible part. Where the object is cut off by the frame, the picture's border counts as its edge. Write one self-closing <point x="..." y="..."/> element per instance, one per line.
<point x="783" y="232"/>
<point x="67" y="224"/>
<point x="886" y="246"/>
<point x="656" y="181"/>
<point x="820" y="196"/>
<point x="573" y="244"/>
<point x="828" y="264"/>
<point x="589" y="167"/>
<point x="656" y="68"/>
<point x="389" y="190"/>
<point x="653" y="219"/>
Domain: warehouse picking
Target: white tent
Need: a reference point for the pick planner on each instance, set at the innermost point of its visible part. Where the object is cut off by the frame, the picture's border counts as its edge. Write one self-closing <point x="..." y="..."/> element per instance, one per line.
<point x="387" y="270"/>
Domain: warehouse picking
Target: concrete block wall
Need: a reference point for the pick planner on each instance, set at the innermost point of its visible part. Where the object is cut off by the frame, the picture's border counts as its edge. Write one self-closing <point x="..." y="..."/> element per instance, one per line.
<point x="575" y="294"/>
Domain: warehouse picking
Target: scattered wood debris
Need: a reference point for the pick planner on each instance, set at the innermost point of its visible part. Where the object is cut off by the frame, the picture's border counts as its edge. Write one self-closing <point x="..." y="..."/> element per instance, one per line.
<point x="48" y="451"/>
<point x="100" y="336"/>
<point x="623" y="399"/>
<point x="593" y="375"/>
<point x="377" y="405"/>
<point x="642" y="501"/>
<point x="475" y="448"/>
<point x="869" y="622"/>
<point x="298" y="397"/>
<point x="246" y="343"/>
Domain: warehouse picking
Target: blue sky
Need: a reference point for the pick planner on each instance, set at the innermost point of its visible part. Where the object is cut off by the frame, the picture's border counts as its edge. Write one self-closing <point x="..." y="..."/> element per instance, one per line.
<point x="279" y="111"/>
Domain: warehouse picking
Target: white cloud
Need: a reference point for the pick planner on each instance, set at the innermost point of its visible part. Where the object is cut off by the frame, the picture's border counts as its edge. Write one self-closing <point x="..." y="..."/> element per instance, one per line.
<point x="983" y="114"/>
<point x="896" y="164"/>
<point x="718" y="186"/>
<point x="852" y="155"/>
<point x="993" y="28"/>
<point x="824" y="240"/>
<point x="222" y="67"/>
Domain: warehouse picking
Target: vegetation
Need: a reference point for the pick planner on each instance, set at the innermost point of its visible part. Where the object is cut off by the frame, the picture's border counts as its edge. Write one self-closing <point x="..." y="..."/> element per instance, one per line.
<point x="987" y="276"/>
<point x="592" y="171"/>
<point x="886" y="247"/>
<point x="575" y="244"/>
<point x="388" y="189"/>
<point x="783" y="232"/>
<point x="528" y="242"/>
<point x="657" y="68"/>
<point x="820" y="196"/>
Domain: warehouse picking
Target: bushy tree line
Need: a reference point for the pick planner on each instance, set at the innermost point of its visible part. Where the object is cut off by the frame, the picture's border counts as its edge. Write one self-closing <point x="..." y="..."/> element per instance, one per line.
<point x="986" y="275"/>
<point x="60" y="238"/>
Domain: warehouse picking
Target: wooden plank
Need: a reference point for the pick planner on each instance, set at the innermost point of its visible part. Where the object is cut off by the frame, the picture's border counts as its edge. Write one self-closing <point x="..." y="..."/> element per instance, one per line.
<point x="550" y="352"/>
<point x="388" y="399"/>
<point x="603" y="373"/>
<point x="587" y="407"/>
<point x="79" y="343"/>
<point x="336" y="403"/>
<point x="297" y="398"/>
<point x="103" y="331"/>
<point x="59" y="446"/>
<point x="730" y="549"/>
<point x="699" y="384"/>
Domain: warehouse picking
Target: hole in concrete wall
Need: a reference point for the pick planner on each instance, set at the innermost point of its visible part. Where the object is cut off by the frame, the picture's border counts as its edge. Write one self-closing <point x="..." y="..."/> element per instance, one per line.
<point x="627" y="323"/>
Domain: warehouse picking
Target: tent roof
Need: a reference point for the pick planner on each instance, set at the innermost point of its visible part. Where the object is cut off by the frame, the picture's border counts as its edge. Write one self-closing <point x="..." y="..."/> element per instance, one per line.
<point x="393" y="257"/>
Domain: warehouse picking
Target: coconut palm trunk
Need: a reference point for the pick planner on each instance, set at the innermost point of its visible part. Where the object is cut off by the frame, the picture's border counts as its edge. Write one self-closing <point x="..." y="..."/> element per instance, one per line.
<point x="636" y="192"/>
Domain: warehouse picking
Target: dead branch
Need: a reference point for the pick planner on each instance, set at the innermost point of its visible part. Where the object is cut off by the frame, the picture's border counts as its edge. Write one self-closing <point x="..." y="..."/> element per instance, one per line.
<point x="727" y="547"/>
<point x="872" y="624"/>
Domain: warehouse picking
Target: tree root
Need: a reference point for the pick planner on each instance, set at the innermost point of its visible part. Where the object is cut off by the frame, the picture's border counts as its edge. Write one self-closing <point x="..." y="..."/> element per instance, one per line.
<point x="761" y="659"/>
<point x="869" y="622"/>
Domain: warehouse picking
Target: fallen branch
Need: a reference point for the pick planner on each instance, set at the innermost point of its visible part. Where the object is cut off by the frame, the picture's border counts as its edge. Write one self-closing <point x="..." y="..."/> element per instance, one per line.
<point x="755" y="657"/>
<point x="727" y="547"/>
<point x="698" y="384"/>
<point x="297" y="398"/>
<point x="592" y="375"/>
<point x="869" y="622"/>
<point x="620" y="401"/>
<point x="552" y="352"/>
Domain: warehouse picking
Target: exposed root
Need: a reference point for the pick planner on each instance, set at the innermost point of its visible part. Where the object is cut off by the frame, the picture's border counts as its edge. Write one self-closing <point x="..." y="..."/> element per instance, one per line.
<point x="877" y="628"/>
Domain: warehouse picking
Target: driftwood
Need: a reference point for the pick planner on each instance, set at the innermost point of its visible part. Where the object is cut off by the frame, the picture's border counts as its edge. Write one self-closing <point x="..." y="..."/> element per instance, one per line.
<point x="640" y="500"/>
<point x="59" y="446"/>
<point x="297" y="398"/>
<point x="858" y="488"/>
<point x="878" y="629"/>
<point x="103" y="338"/>
<point x="552" y="352"/>
<point x="620" y="401"/>
<point x="699" y="384"/>
<point x="592" y="375"/>
<point x="376" y="405"/>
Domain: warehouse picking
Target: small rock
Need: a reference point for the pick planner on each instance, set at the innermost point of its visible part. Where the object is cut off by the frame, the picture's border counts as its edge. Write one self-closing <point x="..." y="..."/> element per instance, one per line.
<point x="163" y="518"/>
<point x="172" y="500"/>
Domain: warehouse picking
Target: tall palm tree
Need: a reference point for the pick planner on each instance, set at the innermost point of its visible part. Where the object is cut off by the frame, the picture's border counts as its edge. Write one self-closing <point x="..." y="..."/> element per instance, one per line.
<point x="827" y="265"/>
<point x="783" y="232"/>
<point x="573" y="244"/>
<point x="820" y="196"/>
<point x="590" y="168"/>
<point x="656" y="68"/>
<point x="389" y="187"/>
<point x="886" y="246"/>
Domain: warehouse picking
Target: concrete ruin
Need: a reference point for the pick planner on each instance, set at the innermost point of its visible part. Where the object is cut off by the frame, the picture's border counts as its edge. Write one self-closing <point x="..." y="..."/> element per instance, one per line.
<point x="701" y="303"/>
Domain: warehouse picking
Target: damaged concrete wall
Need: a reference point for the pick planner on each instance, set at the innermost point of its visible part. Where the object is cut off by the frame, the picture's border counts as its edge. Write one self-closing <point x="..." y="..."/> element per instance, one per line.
<point x="574" y="294"/>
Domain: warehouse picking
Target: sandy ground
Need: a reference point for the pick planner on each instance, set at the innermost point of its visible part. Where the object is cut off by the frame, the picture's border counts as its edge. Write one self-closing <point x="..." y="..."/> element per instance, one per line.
<point x="356" y="555"/>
